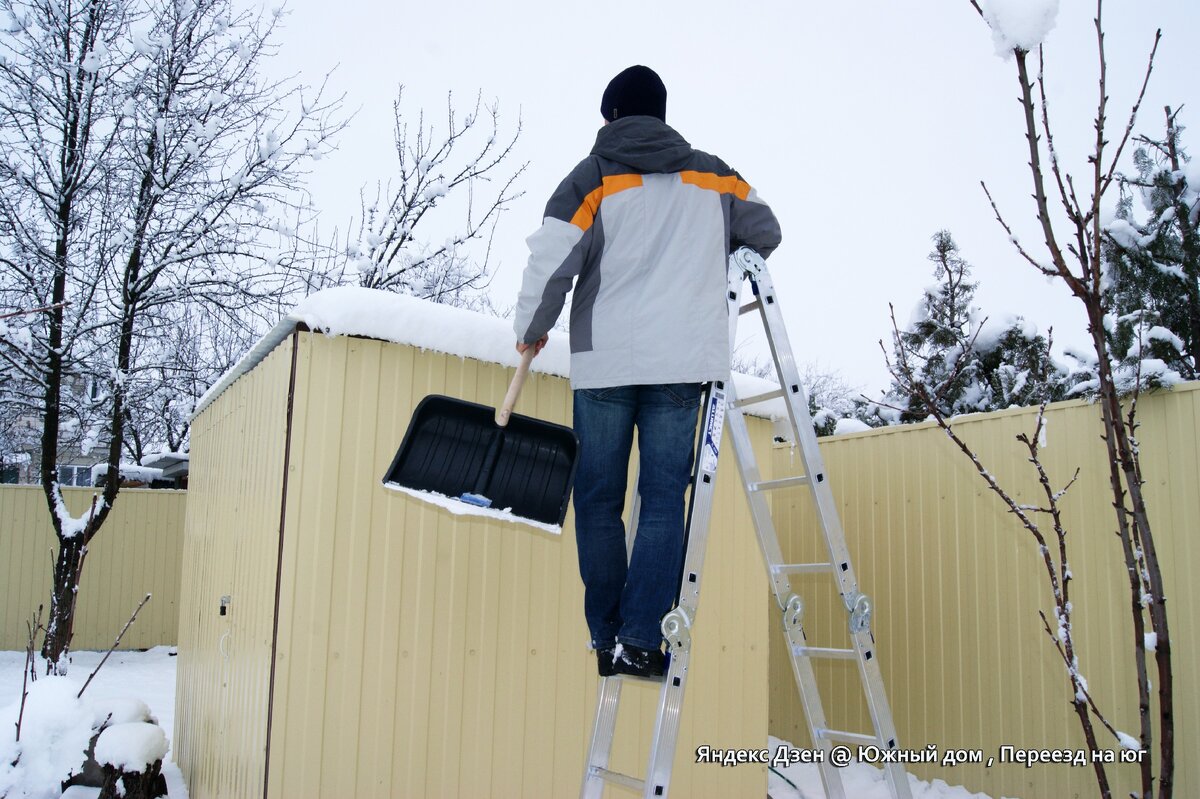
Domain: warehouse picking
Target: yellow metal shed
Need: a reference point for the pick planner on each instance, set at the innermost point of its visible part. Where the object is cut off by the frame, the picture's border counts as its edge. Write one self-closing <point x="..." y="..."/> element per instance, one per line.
<point x="338" y="639"/>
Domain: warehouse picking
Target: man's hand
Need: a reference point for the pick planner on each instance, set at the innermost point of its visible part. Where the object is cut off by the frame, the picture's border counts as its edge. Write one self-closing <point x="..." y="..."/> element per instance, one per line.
<point x="537" y="345"/>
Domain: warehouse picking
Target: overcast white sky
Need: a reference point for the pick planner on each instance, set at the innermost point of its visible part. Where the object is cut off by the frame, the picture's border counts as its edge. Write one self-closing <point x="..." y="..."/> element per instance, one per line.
<point x="867" y="126"/>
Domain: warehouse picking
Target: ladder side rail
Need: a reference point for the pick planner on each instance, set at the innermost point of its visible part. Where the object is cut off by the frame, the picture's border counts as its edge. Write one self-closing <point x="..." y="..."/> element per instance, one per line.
<point x="600" y="748"/>
<point x="677" y="624"/>
<point x="609" y="693"/>
<point x="789" y="603"/>
<point x="743" y="451"/>
<point x="704" y="484"/>
<point x="858" y="605"/>
<point x="635" y="510"/>
<point x="876" y="695"/>
<point x="806" y="438"/>
<point x="878" y="706"/>
<point x="760" y="511"/>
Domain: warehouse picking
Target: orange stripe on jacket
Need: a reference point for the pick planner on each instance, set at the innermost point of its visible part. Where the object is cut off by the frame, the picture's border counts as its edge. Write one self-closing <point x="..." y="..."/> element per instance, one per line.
<point x="728" y="184"/>
<point x="613" y="184"/>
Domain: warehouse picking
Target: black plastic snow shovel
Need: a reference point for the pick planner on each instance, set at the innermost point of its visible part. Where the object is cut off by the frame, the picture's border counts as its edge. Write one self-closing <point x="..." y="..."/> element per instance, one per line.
<point x="486" y="458"/>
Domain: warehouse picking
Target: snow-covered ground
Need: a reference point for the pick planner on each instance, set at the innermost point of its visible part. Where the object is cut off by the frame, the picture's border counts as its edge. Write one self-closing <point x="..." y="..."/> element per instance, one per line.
<point x="147" y="676"/>
<point x="861" y="781"/>
<point x="150" y="677"/>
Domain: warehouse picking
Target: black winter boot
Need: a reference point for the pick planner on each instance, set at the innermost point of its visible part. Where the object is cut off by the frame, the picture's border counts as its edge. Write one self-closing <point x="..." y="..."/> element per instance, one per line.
<point x="637" y="662"/>
<point x="604" y="660"/>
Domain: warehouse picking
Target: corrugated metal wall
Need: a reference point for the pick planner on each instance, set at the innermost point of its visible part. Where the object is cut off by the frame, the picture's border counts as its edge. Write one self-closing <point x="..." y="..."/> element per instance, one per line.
<point x="138" y="551"/>
<point x="232" y="550"/>
<point x="958" y="584"/>
<point x="421" y="654"/>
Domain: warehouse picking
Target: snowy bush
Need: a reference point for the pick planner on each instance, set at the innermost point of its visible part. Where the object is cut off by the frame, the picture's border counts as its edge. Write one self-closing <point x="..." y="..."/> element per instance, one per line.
<point x="55" y="732"/>
<point x="57" y="728"/>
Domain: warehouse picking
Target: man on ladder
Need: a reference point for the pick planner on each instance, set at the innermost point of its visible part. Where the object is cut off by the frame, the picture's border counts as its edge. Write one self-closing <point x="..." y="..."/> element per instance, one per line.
<point x="644" y="225"/>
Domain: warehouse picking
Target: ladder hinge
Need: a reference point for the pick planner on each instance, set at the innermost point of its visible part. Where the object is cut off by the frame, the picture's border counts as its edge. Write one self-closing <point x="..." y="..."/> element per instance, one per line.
<point x="794" y="612"/>
<point x="677" y="629"/>
<point x="860" y="615"/>
<point x="750" y="262"/>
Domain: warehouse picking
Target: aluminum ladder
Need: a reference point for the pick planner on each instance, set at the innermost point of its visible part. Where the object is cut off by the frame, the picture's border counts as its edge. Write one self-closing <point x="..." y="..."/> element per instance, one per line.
<point x="721" y="407"/>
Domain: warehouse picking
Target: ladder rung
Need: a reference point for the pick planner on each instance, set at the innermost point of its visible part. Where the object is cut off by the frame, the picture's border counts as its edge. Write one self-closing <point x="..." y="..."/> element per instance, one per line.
<point x="802" y="568"/>
<point x="848" y="737"/>
<point x="659" y="680"/>
<point x="825" y="652"/>
<point x="750" y="306"/>
<point x="787" y="482"/>
<point x="757" y="398"/>
<point x="617" y="778"/>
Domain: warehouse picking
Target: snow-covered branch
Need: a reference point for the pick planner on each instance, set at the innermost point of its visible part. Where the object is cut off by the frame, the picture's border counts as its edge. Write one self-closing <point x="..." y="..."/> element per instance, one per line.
<point x="437" y="170"/>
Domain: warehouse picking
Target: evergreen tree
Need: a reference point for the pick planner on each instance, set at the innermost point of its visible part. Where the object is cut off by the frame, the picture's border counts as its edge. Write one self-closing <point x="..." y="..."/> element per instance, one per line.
<point x="1017" y="368"/>
<point x="940" y="327"/>
<point x="1153" y="266"/>
<point x="971" y="364"/>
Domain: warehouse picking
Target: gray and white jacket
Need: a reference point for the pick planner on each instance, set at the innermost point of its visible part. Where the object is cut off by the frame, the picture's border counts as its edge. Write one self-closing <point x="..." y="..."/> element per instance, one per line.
<point x="644" y="226"/>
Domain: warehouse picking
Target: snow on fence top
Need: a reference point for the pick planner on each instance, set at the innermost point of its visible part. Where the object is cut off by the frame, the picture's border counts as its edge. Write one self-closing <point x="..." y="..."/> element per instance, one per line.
<point x="370" y="313"/>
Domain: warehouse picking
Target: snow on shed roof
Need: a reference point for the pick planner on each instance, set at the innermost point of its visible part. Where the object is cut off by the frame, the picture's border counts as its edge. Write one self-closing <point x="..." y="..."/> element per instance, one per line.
<point x="370" y="313"/>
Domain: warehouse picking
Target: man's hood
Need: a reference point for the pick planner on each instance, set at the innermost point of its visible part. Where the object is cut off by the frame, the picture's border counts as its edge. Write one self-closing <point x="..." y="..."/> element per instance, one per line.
<point x="644" y="143"/>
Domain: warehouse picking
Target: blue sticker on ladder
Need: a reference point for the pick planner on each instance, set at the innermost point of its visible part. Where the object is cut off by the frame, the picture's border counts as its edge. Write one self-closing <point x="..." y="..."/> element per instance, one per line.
<point x="714" y="423"/>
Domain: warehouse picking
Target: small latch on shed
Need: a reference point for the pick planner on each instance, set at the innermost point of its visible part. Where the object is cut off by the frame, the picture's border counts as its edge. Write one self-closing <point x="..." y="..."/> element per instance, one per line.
<point x="224" y="604"/>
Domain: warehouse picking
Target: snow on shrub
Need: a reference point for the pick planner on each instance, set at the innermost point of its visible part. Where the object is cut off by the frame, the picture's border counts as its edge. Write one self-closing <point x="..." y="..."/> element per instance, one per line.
<point x="55" y="732"/>
<point x="132" y="747"/>
<point x="122" y="710"/>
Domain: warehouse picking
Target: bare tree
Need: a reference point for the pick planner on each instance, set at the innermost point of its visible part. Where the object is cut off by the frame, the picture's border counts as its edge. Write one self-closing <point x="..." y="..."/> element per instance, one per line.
<point x="1076" y="259"/>
<point x="463" y="169"/>
<point x="931" y="396"/>
<point x="184" y="352"/>
<point x="145" y="164"/>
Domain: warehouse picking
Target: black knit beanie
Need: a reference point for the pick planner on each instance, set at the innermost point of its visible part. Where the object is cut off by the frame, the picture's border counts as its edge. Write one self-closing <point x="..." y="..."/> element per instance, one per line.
<point x="637" y="90"/>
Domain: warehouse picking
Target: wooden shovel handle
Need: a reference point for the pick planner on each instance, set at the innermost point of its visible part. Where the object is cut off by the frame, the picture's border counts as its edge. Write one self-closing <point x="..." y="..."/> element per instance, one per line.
<point x="514" y="388"/>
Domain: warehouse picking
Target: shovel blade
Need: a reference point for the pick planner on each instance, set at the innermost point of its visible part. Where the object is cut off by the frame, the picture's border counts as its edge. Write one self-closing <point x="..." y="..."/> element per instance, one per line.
<point x="445" y="450"/>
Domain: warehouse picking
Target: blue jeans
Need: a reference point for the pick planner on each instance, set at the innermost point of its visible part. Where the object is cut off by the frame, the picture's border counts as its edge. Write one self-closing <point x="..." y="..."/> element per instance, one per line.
<point x="626" y="601"/>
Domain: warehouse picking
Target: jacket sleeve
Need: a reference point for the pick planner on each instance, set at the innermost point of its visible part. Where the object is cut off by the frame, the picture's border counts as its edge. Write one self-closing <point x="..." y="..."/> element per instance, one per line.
<point x="558" y="251"/>
<point x="752" y="223"/>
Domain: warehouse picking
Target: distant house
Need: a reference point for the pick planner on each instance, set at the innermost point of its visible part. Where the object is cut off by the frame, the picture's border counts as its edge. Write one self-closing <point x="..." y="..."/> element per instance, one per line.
<point x="21" y="460"/>
<point x="173" y="467"/>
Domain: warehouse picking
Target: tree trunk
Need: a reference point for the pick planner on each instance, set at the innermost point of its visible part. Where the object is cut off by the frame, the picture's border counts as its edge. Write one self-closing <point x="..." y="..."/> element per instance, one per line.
<point x="1134" y="530"/>
<point x="148" y="784"/>
<point x="60" y="625"/>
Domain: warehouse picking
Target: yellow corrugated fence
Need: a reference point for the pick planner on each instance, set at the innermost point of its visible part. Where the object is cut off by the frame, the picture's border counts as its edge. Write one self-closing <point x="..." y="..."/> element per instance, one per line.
<point x="137" y="551"/>
<point x="958" y="583"/>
